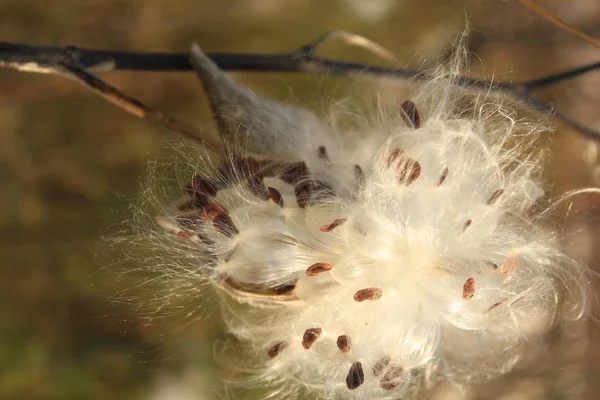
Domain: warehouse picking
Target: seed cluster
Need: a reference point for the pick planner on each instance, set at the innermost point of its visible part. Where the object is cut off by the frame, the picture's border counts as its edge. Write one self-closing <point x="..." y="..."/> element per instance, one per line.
<point x="371" y="267"/>
<point x="203" y="208"/>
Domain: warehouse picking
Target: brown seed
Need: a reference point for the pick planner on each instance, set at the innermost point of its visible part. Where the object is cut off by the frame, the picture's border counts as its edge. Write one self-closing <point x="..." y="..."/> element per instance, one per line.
<point x="198" y="200"/>
<point x="248" y="167"/>
<point x="276" y="349"/>
<point x="343" y="343"/>
<point x="492" y="265"/>
<point x="199" y="185"/>
<point x="275" y="196"/>
<point x="397" y="152"/>
<point x="391" y="379"/>
<point x="250" y="171"/>
<point x="260" y="289"/>
<point x="310" y="190"/>
<point x="372" y="293"/>
<point x="408" y="170"/>
<point x="360" y="230"/>
<point x="241" y="169"/>
<point x="184" y="234"/>
<point x="318" y="268"/>
<point x="192" y="204"/>
<point x="303" y="192"/>
<point x="285" y="289"/>
<point x="466" y="225"/>
<point x="510" y="264"/>
<point x="196" y="180"/>
<point x="189" y="222"/>
<point x="332" y="225"/>
<point x="410" y="114"/>
<point x="468" y="288"/>
<point x="310" y="336"/>
<point x="225" y="226"/>
<point x="359" y="174"/>
<point x="443" y="176"/>
<point x="207" y="243"/>
<point x="494" y="197"/>
<point x="355" y="376"/>
<point x="258" y="188"/>
<point x="495" y="305"/>
<point x="210" y="211"/>
<point x="381" y="365"/>
<point x="323" y="153"/>
<point x="242" y="286"/>
<point x="294" y="173"/>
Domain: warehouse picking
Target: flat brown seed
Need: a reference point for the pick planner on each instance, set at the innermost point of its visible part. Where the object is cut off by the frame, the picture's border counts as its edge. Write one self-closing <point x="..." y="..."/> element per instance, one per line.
<point x="224" y="225"/>
<point x="343" y="343"/>
<point x="397" y="152"/>
<point x="381" y="365"/>
<point x="196" y="179"/>
<point x="275" y="196"/>
<point x="258" y="188"/>
<point x="192" y="204"/>
<point x="323" y="152"/>
<point x="189" y="222"/>
<point x="250" y="170"/>
<point x="318" y="268"/>
<point x="360" y="230"/>
<point x="466" y="225"/>
<point x="285" y="289"/>
<point x="409" y="171"/>
<point x="356" y="376"/>
<point x="468" y="288"/>
<point x="210" y="211"/>
<point x="372" y="293"/>
<point x="411" y="114"/>
<point x="332" y="225"/>
<point x="510" y="264"/>
<point x="496" y="305"/>
<point x="311" y="191"/>
<point x="276" y="349"/>
<point x="200" y="185"/>
<point x="248" y="167"/>
<point x="494" y="197"/>
<point x="200" y="191"/>
<point x="359" y="174"/>
<point x="391" y="379"/>
<point x="494" y="266"/>
<point x="443" y="176"/>
<point x="184" y="234"/>
<point x="294" y="173"/>
<point x="310" y="336"/>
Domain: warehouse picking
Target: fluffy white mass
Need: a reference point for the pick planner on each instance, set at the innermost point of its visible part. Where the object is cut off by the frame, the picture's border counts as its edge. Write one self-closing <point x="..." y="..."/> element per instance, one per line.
<point x="373" y="261"/>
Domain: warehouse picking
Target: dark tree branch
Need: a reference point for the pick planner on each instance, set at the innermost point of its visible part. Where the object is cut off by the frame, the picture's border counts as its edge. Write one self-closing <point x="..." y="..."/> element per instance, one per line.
<point x="537" y="84"/>
<point x="75" y="62"/>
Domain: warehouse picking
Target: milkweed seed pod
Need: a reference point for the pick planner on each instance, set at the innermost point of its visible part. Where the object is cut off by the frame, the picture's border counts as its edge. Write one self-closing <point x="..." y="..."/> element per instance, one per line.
<point x="370" y="263"/>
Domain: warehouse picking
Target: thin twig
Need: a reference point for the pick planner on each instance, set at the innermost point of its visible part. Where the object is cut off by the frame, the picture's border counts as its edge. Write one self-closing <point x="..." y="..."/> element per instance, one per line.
<point x="133" y="105"/>
<point x="66" y="63"/>
<point x="47" y="59"/>
<point x="559" y="22"/>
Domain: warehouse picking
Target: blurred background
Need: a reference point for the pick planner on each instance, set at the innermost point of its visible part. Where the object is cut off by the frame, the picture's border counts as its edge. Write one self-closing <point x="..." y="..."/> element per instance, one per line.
<point x="71" y="164"/>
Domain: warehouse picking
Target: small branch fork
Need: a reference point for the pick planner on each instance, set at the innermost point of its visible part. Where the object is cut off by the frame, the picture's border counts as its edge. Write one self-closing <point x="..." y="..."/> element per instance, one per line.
<point x="79" y="64"/>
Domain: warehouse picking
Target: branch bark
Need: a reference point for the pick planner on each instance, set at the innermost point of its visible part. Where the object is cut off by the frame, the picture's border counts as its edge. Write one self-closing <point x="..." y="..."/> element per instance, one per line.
<point x="78" y="62"/>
